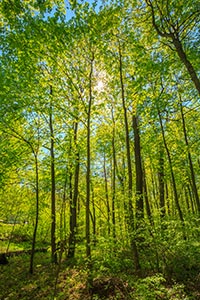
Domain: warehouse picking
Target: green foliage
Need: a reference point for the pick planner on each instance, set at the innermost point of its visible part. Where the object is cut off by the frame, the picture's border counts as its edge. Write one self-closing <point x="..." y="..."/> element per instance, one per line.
<point x="111" y="257"/>
<point x="15" y="283"/>
<point x="154" y="288"/>
<point x="181" y="261"/>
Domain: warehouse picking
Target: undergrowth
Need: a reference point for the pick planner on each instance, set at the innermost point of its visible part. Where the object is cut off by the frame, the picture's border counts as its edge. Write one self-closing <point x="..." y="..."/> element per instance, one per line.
<point x="16" y="283"/>
<point x="170" y="271"/>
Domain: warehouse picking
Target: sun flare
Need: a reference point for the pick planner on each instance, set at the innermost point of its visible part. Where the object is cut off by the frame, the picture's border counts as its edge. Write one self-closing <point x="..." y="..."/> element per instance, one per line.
<point x="100" y="85"/>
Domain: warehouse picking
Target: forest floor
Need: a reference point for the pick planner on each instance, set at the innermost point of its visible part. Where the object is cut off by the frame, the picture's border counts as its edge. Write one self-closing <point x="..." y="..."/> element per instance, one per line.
<point x="68" y="281"/>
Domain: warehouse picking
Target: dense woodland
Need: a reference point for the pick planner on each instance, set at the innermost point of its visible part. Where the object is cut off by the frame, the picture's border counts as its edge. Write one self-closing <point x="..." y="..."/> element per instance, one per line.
<point x="99" y="149"/>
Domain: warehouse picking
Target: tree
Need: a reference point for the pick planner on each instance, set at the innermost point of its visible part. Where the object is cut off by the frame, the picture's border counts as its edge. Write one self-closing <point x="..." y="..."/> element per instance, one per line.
<point x="53" y="184"/>
<point x="174" y="23"/>
<point x="180" y="213"/>
<point x="194" y="186"/>
<point x="138" y="169"/>
<point x="128" y="156"/>
<point x="74" y="198"/>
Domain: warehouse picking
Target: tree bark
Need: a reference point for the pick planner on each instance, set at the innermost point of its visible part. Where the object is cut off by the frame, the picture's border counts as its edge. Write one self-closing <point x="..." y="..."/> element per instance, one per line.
<point x="194" y="186"/>
<point x="53" y="184"/>
<point x="130" y="178"/>
<point x="146" y="198"/>
<point x="113" y="178"/>
<point x="161" y="183"/>
<point x="183" y="57"/>
<point x="172" y="176"/>
<point x="93" y="217"/>
<point x="36" y="213"/>
<point x="138" y="170"/>
<point x="73" y="200"/>
<point x="106" y="193"/>
<point x="88" y="247"/>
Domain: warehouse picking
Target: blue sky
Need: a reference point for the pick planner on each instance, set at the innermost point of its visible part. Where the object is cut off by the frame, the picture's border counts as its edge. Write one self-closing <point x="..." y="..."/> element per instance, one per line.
<point x="70" y="12"/>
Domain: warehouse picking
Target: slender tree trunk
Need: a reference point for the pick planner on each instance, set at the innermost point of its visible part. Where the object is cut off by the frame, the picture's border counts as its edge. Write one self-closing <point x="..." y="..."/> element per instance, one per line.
<point x="130" y="179"/>
<point x="93" y="217"/>
<point x="146" y="198"/>
<point x="113" y="178"/>
<point x="36" y="213"/>
<point x="153" y="184"/>
<point x="73" y="200"/>
<point x="63" y="232"/>
<point x="121" y="178"/>
<point x="35" y="154"/>
<point x="73" y="213"/>
<point x="161" y="183"/>
<point x="187" y="199"/>
<point x="138" y="170"/>
<point x="88" y="248"/>
<point x="194" y="186"/>
<point x="172" y="175"/>
<point x="53" y="184"/>
<point x="167" y="199"/>
<point x="191" y="198"/>
<point x="106" y="193"/>
<point x="70" y="177"/>
<point x="113" y="203"/>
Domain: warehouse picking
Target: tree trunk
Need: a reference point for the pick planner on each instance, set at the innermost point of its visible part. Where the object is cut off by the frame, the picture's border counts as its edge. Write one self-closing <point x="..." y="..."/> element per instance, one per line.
<point x="194" y="186"/>
<point x="130" y="179"/>
<point x="173" y="36"/>
<point x="93" y="217"/>
<point x="138" y="170"/>
<point x="63" y="231"/>
<point x="88" y="248"/>
<point x="161" y="183"/>
<point x="36" y="213"/>
<point x="106" y="193"/>
<point x="113" y="178"/>
<point x="73" y="200"/>
<point x="191" y="198"/>
<point x="172" y="176"/>
<point x="53" y="184"/>
<point x="183" y="57"/>
<point x="146" y="198"/>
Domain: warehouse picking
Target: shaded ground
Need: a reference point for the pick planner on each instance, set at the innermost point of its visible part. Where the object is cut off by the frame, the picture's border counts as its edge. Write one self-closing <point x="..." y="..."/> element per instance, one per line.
<point x="16" y="283"/>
